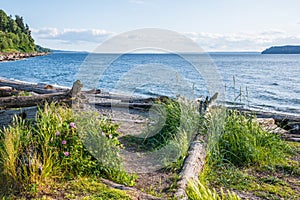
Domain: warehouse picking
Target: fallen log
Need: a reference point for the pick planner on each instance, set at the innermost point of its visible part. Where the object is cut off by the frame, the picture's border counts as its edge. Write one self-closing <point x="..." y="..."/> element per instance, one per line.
<point x="6" y="116"/>
<point x="124" y="105"/>
<point x="124" y="98"/>
<point x="193" y="165"/>
<point x="27" y="101"/>
<point x="290" y="123"/>
<point x="40" y="88"/>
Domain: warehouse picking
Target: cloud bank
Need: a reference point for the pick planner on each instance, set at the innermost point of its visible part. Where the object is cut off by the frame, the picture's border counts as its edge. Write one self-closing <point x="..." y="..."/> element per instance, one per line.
<point x="88" y="39"/>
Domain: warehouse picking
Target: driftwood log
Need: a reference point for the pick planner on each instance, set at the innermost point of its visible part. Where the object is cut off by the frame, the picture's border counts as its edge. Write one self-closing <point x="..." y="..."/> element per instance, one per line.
<point x="290" y="123"/>
<point x="124" y="105"/>
<point x="39" y="88"/>
<point x="27" y="101"/>
<point x="195" y="161"/>
<point x="6" y="116"/>
<point x="193" y="165"/>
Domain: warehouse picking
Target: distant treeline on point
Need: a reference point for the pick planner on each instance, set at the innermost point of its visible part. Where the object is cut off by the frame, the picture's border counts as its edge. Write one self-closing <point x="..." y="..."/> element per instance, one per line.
<point x="288" y="49"/>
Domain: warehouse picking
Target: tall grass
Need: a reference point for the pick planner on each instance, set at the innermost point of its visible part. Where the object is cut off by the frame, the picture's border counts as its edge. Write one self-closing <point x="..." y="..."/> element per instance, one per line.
<point x="239" y="140"/>
<point x="236" y="141"/>
<point x="177" y="126"/>
<point x="197" y="191"/>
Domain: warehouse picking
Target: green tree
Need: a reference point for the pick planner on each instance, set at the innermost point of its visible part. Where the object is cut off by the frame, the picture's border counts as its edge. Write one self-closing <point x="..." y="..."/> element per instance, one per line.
<point x="3" y="21"/>
<point x="15" y="35"/>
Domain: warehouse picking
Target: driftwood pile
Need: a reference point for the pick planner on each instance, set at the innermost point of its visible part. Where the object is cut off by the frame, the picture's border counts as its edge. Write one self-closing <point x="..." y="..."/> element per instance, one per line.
<point x="13" y="100"/>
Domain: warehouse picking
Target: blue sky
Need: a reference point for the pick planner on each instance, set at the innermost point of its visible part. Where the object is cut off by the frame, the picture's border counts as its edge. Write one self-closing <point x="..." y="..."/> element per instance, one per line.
<point x="223" y="25"/>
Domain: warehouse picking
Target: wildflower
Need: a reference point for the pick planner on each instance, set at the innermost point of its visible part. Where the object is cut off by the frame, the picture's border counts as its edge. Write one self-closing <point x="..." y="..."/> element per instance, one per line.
<point x="72" y="125"/>
<point x="66" y="153"/>
<point x="110" y="136"/>
<point x="103" y="134"/>
<point x="57" y="133"/>
<point x="64" y="142"/>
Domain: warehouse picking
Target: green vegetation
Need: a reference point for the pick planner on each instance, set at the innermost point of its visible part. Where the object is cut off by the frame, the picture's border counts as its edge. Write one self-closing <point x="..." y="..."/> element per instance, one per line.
<point x="197" y="191"/>
<point x="54" y="149"/>
<point x="170" y="133"/>
<point x="73" y="150"/>
<point x="15" y="36"/>
<point x="244" y="157"/>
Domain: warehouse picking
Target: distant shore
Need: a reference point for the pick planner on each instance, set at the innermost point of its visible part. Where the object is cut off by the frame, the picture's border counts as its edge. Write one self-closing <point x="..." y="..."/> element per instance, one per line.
<point x="19" y="55"/>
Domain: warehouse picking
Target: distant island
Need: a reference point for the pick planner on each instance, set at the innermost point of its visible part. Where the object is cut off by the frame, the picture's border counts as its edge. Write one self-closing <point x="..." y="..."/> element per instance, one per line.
<point x="289" y="49"/>
<point x="16" y="41"/>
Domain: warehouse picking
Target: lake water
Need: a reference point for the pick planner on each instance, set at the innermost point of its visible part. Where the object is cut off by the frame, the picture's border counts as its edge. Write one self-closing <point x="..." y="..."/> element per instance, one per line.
<point x="265" y="82"/>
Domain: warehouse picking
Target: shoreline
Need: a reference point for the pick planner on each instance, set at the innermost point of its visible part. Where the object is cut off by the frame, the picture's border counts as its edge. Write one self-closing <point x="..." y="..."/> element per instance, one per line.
<point x="19" y="55"/>
<point x="40" y="86"/>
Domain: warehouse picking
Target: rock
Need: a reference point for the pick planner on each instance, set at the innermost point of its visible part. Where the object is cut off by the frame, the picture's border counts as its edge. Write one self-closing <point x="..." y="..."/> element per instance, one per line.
<point x="19" y="55"/>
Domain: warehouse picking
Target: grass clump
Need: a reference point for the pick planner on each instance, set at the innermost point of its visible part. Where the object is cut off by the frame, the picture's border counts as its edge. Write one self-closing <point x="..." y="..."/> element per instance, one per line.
<point x="57" y="146"/>
<point x="239" y="152"/>
<point x="240" y="141"/>
<point x="176" y="126"/>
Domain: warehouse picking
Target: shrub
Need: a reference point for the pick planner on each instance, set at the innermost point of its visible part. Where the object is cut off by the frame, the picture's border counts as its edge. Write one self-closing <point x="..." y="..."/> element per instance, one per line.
<point x="54" y="147"/>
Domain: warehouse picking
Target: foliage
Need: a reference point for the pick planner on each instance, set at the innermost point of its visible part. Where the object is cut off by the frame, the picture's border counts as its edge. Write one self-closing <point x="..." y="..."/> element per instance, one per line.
<point x="15" y="35"/>
<point x="54" y="148"/>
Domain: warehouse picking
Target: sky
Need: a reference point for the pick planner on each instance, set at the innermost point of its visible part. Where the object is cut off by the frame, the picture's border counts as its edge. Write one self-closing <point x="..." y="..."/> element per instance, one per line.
<point x="216" y="25"/>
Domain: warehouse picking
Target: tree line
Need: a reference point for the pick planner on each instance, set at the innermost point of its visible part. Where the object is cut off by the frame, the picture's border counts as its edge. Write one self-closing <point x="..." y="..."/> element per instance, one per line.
<point x="15" y="35"/>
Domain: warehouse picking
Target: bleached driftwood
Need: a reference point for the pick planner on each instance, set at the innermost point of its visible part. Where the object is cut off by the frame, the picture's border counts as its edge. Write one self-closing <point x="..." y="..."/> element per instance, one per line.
<point x="37" y="88"/>
<point x="193" y="165"/>
<point x="195" y="161"/>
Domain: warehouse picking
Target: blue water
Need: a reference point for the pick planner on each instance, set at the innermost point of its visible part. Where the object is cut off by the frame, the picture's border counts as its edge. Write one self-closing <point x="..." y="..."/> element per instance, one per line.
<point x="265" y="82"/>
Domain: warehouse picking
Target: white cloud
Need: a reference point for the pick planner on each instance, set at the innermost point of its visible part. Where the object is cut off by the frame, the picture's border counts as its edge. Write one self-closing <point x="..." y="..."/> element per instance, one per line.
<point x="243" y="41"/>
<point x="88" y="39"/>
<point x="72" y="35"/>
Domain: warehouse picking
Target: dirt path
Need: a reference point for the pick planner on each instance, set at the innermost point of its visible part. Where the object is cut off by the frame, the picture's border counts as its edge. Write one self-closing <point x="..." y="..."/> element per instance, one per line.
<point x="133" y="123"/>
